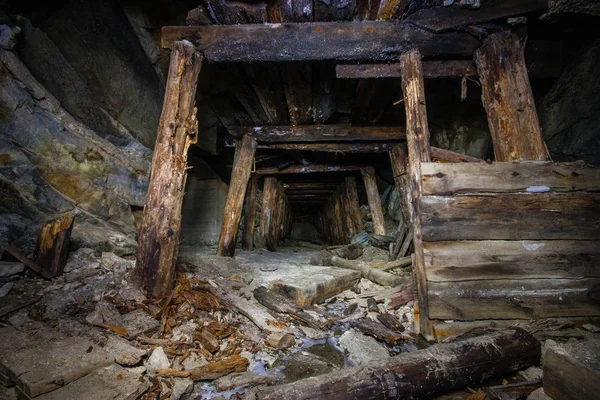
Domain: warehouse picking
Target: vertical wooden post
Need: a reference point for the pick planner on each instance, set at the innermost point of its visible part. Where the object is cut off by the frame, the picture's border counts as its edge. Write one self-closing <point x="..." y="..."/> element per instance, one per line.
<point x="399" y="161"/>
<point x="368" y="174"/>
<point x="353" y="204"/>
<point x="269" y="210"/>
<point x="177" y="130"/>
<point x="419" y="150"/>
<point x="250" y="212"/>
<point x="508" y="99"/>
<point x="232" y="213"/>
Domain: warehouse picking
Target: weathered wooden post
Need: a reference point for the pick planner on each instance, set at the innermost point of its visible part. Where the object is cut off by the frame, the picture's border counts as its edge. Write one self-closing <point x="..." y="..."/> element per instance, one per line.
<point x="351" y="195"/>
<point x="250" y="212"/>
<point x="368" y="174"/>
<point x="419" y="151"/>
<point x="232" y="213"/>
<point x="177" y="130"/>
<point x="508" y="99"/>
<point x="268" y="216"/>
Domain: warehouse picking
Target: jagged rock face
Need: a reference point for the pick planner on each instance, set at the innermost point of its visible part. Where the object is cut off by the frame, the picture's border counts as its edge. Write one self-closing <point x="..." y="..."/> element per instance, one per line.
<point x="51" y="163"/>
<point x="88" y="56"/>
<point x="570" y="111"/>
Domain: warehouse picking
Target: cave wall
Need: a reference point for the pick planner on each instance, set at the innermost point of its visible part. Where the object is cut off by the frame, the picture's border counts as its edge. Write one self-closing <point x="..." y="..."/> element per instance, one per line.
<point x="570" y="110"/>
<point x="80" y="100"/>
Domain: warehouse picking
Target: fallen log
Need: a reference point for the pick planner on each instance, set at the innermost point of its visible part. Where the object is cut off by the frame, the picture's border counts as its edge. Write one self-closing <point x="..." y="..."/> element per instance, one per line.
<point x="391" y="322"/>
<point x="420" y="374"/>
<point x="372" y="274"/>
<point x="399" y="263"/>
<point x="379" y="331"/>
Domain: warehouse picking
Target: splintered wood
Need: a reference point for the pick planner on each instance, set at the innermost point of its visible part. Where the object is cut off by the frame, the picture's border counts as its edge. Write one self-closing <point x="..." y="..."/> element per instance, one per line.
<point x="177" y="130"/>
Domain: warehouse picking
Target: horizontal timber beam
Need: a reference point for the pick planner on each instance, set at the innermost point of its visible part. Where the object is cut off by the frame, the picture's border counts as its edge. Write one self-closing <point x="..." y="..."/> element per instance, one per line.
<point x="309" y="169"/>
<point x="544" y="59"/>
<point x="346" y="41"/>
<point x="319" y="133"/>
<point x="346" y="147"/>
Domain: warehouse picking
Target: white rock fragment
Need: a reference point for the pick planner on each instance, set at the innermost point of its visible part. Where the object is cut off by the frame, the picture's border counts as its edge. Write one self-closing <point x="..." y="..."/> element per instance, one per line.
<point x="157" y="360"/>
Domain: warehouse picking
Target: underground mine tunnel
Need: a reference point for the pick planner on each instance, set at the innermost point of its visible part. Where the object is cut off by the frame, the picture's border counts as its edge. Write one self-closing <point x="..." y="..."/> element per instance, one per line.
<point x="299" y="199"/>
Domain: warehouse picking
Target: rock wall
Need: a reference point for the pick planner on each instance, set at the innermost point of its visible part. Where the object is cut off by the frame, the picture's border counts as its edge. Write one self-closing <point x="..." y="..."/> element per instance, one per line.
<point x="570" y="111"/>
<point x="51" y="163"/>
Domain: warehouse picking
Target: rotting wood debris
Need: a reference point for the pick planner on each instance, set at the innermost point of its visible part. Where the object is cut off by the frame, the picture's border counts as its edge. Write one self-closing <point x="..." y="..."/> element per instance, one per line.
<point x="208" y="339"/>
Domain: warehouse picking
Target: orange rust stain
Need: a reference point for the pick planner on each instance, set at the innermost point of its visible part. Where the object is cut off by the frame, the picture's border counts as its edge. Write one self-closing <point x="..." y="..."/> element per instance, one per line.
<point x="318" y="29"/>
<point x="370" y="30"/>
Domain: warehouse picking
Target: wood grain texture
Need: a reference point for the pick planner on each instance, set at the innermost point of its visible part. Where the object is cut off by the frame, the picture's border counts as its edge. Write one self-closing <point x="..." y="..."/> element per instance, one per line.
<point x="508" y="99"/>
<point x="232" y="212"/>
<point x="502" y="259"/>
<point x="421" y="374"/>
<point x="177" y="130"/>
<point x="419" y="151"/>
<point x="503" y="177"/>
<point x="349" y="41"/>
<point x="319" y="133"/>
<point x="514" y="298"/>
<point x="511" y="217"/>
<point x="309" y="169"/>
<point x="331" y="147"/>
<point x="52" y="246"/>
<point x="441" y="19"/>
<point x="374" y="200"/>
<point x="250" y="212"/>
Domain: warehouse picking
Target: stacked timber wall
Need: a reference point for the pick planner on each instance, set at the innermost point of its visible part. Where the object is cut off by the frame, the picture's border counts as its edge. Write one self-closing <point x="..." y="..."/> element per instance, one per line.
<point x="511" y="240"/>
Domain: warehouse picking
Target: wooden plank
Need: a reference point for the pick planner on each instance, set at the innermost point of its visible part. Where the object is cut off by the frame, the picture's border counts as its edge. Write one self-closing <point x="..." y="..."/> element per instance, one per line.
<point x="374" y="200"/>
<point x="503" y="177"/>
<point x="232" y="212"/>
<point x="177" y="130"/>
<point x="422" y="374"/>
<point x="508" y="99"/>
<point x="250" y="212"/>
<point x="452" y="157"/>
<point x="511" y="217"/>
<point x="544" y="59"/>
<point x="52" y="246"/>
<point x="32" y="265"/>
<point x="310" y="185"/>
<point x="514" y="298"/>
<point x="319" y="133"/>
<point x="419" y="151"/>
<point x="500" y="259"/>
<point x="341" y="41"/>
<point x="308" y="169"/>
<point x="441" y="19"/>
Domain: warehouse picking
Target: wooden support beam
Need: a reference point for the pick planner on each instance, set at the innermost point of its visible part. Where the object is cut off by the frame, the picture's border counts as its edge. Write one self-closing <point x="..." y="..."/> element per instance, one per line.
<point x="508" y="100"/>
<point x="544" y="59"/>
<point x="417" y="135"/>
<point x="442" y="19"/>
<point x="177" y="130"/>
<point x="374" y="199"/>
<point x="452" y="157"/>
<point x="309" y="185"/>
<point x="353" y="211"/>
<point x="232" y="212"/>
<point x="319" y="133"/>
<point x="421" y="374"/>
<point x="52" y="246"/>
<point x="250" y="212"/>
<point x="399" y="162"/>
<point x="343" y="147"/>
<point x="349" y="41"/>
<point x="309" y="169"/>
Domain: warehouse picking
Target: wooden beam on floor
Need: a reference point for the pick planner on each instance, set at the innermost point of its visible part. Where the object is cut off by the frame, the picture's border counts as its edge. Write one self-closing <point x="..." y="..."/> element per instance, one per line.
<point x="345" y="41"/>
<point x="442" y="19"/>
<point x="319" y="133"/>
<point x="508" y="100"/>
<point x="417" y="135"/>
<point x="177" y="130"/>
<point x="309" y="169"/>
<point x="544" y="59"/>
<point x="232" y="212"/>
<point x="374" y="200"/>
